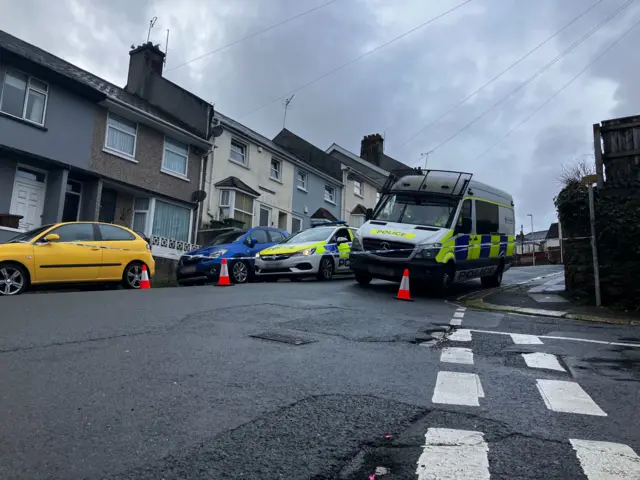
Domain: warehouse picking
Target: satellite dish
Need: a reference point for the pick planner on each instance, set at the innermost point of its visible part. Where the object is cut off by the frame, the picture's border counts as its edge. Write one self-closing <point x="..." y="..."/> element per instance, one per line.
<point x="217" y="131"/>
<point x="198" y="196"/>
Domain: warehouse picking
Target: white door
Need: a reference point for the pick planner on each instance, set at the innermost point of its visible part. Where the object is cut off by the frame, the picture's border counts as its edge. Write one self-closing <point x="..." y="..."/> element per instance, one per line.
<point x="28" y="197"/>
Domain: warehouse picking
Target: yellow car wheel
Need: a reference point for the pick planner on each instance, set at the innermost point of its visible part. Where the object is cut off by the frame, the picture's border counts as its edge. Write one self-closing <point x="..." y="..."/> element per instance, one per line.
<point x="14" y="279"/>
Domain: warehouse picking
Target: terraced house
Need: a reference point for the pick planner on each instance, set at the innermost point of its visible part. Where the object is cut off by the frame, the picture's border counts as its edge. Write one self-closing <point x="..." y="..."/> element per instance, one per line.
<point x="76" y="147"/>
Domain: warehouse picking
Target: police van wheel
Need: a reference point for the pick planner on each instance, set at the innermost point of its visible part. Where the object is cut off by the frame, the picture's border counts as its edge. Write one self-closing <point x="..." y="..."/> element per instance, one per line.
<point x="363" y="278"/>
<point x="493" y="281"/>
<point x="446" y="281"/>
<point x="325" y="272"/>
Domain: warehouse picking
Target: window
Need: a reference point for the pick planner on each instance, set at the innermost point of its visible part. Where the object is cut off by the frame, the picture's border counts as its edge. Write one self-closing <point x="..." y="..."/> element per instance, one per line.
<point x="236" y="205"/>
<point x="302" y="181"/>
<point x="110" y="233"/>
<point x="465" y="222"/>
<point x="24" y="97"/>
<point x="260" y="236"/>
<point x="176" y="157"/>
<point x="329" y="194"/>
<point x="75" y="232"/>
<point x="357" y="188"/>
<point x="171" y="221"/>
<point x="238" y="152"/>
<point x="140" y="214"/>
<point x="71" y="209"/>
<point x="357" y="220"/>
<point x="276" y="169"/>
<point x="316" y="234"/>
<point x="296" y="224"/>
<point x="342" y="232"/>
<point x="265" y="216"/>
<point x="487" y="218"/>
<point x="33" y="175"/>
<point x="417" y="209"/>
<point x="121" y="135"/>
<point x="276" y="237"/>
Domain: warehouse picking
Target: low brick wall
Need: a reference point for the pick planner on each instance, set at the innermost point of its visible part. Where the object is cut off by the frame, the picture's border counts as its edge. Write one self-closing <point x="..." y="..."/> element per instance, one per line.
<point x="165" y="272"/>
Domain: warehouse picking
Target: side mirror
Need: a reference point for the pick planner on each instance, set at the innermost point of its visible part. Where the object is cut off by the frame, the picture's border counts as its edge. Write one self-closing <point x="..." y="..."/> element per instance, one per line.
<point x="368" y="214"/>
<point x="52" y="237"/>
<point x="342" y="240"/>
<point x="253" y="242"/>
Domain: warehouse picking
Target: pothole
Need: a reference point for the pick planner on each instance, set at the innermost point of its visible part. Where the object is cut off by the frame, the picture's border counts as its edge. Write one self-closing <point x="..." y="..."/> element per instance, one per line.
<point x="284" y="338"/>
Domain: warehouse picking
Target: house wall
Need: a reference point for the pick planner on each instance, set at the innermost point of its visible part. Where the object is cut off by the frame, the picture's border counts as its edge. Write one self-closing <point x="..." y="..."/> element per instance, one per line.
<point x="54" y="196"/>
<point x="351" y="200"/>
<point x="7" y="175"/>
<point x="146" y="173"/>
<point x="67" y="133"/>
<point x="306" y="203"/>
<point x="275" y="194"/>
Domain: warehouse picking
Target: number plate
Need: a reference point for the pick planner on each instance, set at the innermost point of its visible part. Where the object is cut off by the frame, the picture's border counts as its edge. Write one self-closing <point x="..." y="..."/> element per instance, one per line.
<point x="387" y="272"/>
<point x="188" y="269"/>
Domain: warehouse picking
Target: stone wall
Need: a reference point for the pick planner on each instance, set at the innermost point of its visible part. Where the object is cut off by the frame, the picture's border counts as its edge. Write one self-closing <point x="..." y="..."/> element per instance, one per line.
<point x="617" y="212"/>
<point x="165" y="272"/>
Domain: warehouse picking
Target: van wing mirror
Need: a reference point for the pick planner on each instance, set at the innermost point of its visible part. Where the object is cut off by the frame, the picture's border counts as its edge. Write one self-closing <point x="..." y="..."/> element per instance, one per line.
<point x="368" y="214"/>
<point x="463" y="227"/>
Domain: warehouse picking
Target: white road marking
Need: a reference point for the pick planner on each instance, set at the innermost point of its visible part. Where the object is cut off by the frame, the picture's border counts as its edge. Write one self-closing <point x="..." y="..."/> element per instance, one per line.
<point x="457" y="355"/>
<point x="462" y="309"/>
<point x="542" y="360"/>
<point x="461" y="335"/>
<point x="458" y="388"/>
<point x="452" y="454"/>
<point x="553" y="337"/>
<point x="456" y="322"/>
<point x="606" y="460"/>
<point x="567" y="397"/>
<point x="458" y="314"/>
<point x="525" y="339"/>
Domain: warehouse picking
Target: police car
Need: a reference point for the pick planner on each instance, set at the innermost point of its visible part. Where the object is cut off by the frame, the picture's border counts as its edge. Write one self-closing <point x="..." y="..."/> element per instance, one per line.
<point x="320" y="251"/>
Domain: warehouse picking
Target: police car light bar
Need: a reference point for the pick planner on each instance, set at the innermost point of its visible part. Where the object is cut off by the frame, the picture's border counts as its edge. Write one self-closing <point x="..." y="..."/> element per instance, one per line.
<point x="328" y="224"/>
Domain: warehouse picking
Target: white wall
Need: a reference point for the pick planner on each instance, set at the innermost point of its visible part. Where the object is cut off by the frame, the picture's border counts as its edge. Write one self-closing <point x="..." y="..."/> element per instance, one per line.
<point x="350" y="199"/>
<point x="256" y="174"/>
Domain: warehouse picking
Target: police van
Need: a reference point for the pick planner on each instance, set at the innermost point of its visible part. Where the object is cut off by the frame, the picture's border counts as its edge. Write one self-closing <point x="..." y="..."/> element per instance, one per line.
<point x="442" y="225"/>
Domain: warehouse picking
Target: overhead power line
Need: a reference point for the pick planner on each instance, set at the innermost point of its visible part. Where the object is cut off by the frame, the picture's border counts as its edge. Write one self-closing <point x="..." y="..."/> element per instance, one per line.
<point x="560" y="90"/>
<point x="534" y="76"/>
<point x="254" y="34"/>
<point x="358" y="58"/>
<point x="525" y="56"/>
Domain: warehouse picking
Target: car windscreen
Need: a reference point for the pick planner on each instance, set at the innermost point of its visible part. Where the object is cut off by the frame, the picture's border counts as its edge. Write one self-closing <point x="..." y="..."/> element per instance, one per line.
<point x="30" y="235"/>
<point x="225" y="238"/>
<point x="317" y="234"/>
<point x="428" y="210"/>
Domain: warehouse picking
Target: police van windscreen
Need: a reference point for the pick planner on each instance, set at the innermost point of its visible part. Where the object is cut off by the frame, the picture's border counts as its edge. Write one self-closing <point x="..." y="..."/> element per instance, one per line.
<point x="316" y="234"/>
<point x="428" y="210"/>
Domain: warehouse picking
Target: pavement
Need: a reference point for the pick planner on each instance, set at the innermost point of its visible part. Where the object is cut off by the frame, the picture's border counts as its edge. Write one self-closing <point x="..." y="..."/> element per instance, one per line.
<point x="310" y="380"/>
<point x="544" y="295"/>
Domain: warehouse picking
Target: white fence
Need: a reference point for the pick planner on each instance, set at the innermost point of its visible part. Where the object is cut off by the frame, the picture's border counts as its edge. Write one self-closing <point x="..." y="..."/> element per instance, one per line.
<point x="170" y="248"/>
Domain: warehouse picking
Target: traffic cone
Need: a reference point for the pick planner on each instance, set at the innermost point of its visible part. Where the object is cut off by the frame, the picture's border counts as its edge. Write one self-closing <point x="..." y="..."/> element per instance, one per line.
<point x="223" y="279"/>
<point x="144" y="281"/>
<point x="403" y="293"/>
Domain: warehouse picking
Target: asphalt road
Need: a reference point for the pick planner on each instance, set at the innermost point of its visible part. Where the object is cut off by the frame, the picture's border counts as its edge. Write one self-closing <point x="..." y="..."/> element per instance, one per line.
<point x="177" y="384"/>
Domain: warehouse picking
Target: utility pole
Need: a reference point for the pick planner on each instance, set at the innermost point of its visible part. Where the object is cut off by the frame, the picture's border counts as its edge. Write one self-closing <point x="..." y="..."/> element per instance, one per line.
<point x="286" y="107"/>
<point x="589" y="180"/>
<point x="426" y="157"/>
<point x="533" y="245"/>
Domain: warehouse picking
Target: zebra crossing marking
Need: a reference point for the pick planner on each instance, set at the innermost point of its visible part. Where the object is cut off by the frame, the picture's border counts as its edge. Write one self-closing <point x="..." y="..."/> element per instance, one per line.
<point x="606" y="460"/>
<point x="458" y="388"/>
<point x="545" y="361"/>
<point x="461" y="335"/>
<point x="567" y="397"/>
<point x="522" y="339"/>
<point x="457" y="355"/>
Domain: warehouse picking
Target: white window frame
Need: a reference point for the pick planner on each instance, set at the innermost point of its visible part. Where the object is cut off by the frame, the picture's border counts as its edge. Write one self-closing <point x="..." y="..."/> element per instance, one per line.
<point x="147" y="226"/>
<point x="232" y="204"/>
<point x="278" y="177"/>
<point x="118" y="153"/>
<point x="26" y="97"/>
<point x="305" y="181"/>
<point x="357" y="188"/>
<point x="245" y="154"/>
<point x="167" y="170"/>
<point x="332" y="198"/>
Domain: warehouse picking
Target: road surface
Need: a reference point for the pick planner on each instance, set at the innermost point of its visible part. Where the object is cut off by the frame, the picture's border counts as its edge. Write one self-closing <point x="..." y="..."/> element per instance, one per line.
<point x="310" y="381"/>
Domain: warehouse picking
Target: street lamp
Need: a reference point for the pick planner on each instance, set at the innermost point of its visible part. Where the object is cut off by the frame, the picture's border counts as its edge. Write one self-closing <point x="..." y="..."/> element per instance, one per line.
<point x="533" y="245"/>
<point x="589" y="180"/>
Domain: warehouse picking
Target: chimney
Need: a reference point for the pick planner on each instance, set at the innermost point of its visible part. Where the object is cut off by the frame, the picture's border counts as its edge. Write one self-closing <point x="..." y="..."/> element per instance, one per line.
<point x="371" y="148"/>
<point x="144" y="61"/>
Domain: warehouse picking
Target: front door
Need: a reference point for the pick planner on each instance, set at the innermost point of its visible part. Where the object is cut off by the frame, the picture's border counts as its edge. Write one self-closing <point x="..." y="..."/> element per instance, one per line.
<point x="108" y="201"/>
<point x="27" y="200"/>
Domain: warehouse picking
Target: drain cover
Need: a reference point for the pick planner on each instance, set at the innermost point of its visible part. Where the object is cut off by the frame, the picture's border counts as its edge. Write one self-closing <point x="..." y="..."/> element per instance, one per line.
<point x="283" y="338"/>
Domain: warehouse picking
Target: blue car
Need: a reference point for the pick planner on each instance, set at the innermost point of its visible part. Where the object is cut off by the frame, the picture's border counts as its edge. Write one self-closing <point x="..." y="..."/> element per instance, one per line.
<point x="239" y="247"/>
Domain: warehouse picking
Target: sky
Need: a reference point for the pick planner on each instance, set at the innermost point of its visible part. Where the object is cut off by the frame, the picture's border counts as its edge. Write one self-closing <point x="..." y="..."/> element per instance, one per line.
<point x="397" y="91"/>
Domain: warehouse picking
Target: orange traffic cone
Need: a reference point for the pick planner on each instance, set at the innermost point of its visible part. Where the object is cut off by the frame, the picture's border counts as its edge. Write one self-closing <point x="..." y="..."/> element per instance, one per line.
<point x="403" y="293"/>
<point x="224" y="280"/>
<point x="144" y="281"/>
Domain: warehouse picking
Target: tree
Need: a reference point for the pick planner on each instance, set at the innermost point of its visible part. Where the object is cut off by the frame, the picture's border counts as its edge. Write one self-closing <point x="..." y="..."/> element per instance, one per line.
<point x="574" y="172"/>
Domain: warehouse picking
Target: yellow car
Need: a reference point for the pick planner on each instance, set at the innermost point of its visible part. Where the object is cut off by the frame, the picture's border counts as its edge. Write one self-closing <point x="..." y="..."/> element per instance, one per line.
<point x="78" y="252"/>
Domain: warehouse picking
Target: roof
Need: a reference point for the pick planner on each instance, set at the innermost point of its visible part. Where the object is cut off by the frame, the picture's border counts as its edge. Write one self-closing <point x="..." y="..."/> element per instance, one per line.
<point x="325" y="214"/>
<point x="554" y="231"/>
<point x="536" y="236"/>
<point x="235" y="182"/>
<point x="359" y="210"/>
<point x="68" y="71"/>
<point x="309" y="153"/>
<point x="388" y="163"/>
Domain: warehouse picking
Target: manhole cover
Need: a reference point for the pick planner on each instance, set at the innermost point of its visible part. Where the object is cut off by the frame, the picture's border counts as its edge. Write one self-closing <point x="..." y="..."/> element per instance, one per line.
<point x="283" y="338"/>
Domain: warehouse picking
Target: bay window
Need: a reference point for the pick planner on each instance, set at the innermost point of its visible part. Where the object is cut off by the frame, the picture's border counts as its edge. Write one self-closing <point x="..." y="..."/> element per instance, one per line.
<point x="237" y="205"/>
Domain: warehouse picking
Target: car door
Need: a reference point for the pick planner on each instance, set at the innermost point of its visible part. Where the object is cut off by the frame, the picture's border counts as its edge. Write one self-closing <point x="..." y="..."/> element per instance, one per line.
<point x="75" y="257"/>
<point x="261" y="237"/>
<point x="120" y="248"/>
<point x="343" y="249"/>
